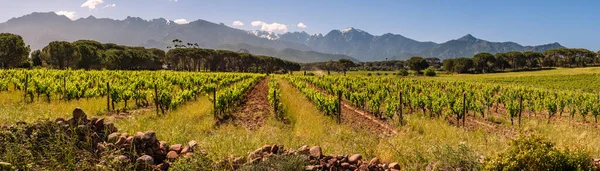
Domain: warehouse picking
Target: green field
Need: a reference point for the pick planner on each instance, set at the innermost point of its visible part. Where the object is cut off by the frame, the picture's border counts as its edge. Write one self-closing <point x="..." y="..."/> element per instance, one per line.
<point x="419" y="143"/>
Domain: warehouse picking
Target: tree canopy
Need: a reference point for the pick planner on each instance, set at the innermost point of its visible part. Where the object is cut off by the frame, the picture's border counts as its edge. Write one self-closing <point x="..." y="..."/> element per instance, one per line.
<point x="13" y="51"/>
<point x="565" y="57"/>
<point x="417" y="63"/>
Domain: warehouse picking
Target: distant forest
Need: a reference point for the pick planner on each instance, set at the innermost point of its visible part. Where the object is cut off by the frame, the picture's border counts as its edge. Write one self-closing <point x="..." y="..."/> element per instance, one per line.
<point x="480" y="63"/>
<point x="93" y="55"/>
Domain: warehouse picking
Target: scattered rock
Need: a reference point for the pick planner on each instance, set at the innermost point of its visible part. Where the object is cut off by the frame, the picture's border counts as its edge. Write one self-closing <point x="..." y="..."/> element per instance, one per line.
<point x="122" y="158"/>
<point x="163" y="145"/>
<point x="239" y="161"/>
<point x="110" y="128"/>
<point x="316" y="152"/>
<point x="112" y="138"/>
<point x="355" y="158"/>
<point x="266" y="148"/>
<point x="185" y="149"/>
<point x="78" y="113"/>
<point x="172" y="155"/>
<point x="149" y="136"/>
<point x="192" y="144"/>
<point x="129" y="140"/>
<point x="313" y="167"/>
<point x="138" y="137"/>
<point x="163" y="166"/>
<point x="303" y="150"/>
<point x="121" y="141"/>
<point x="394" y="166"/>
<point x="374" y="161"/>
<point x="145" y="159"/>
<point x="177" y="148"/>
<point x="346" y="165"/>
<point x="274" y="149"/>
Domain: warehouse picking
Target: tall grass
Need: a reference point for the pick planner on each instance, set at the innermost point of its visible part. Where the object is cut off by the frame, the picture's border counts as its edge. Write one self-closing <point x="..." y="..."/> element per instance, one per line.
<point x="13" y="109"/>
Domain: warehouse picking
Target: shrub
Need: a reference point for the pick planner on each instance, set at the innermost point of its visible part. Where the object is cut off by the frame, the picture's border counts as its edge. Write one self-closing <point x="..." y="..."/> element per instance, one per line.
<point x="533" y="152"/>
<point x="44" y="146"/>
<point x="403" y="72"/>
<point x="196" y="162"/>
<point x="461" y="158"/>
<point x="430" y="72"/>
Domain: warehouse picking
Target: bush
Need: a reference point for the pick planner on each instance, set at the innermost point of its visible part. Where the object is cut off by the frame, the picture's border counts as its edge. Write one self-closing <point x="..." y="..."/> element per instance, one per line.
<point x="533" y="152"/>
<point x="430" y="72"/>
<point x="449" y="158"/>
<point x="44" y="146"/>
<point x="403" y="72"/>
<point x="196" y="162"/>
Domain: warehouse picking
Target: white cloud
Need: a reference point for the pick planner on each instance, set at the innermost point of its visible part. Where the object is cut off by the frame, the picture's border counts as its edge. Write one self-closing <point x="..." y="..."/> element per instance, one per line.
<point x="302" y="25"/>
<point x="110" y="5"/>
<point x="91" y="4"/>
<point x="238" y="23"/>
<point x="256" y="23"/>
<point x="173" y="0"/>
<point x="273" y="27"/>
<point x="181" y="21"/>
<point x="68" y="14"/>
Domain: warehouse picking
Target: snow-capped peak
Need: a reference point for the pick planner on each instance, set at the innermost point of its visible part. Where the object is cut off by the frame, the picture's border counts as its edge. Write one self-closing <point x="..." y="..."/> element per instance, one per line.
<point x="349" y="29"/>
<point x="264" y="34"/>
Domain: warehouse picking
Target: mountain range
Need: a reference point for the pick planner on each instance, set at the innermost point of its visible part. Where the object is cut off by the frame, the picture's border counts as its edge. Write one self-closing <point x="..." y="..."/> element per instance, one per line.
<point x="38" y="29"/>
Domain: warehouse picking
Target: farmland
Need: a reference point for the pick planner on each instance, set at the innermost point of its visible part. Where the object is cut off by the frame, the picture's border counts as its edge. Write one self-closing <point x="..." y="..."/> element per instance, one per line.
<point x="415" y="121"/>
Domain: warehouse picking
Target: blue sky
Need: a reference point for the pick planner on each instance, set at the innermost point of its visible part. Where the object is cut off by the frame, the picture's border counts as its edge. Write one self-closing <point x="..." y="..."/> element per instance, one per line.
<point x="533" y="22"/>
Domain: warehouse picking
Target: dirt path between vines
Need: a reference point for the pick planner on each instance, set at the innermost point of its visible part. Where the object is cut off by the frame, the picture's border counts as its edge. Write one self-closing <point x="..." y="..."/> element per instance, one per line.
<point x="360" y="119"/>
<point x="255" y="109"/>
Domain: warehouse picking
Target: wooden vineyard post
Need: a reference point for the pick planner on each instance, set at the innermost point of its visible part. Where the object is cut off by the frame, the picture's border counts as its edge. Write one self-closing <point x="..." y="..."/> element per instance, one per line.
<point x="339" y="115"/>
<point x="26" y="85"/>
<point x="65" y="88"/>
<point x="156" y="103"/>
<point x="464" y="114"/>
<point x="107" y="96"/>
<point x="215" y="103"/>
<point x="304" y="73"/>
<point x="400" y="107"/>
<point x="275" y="103"/>
<point x="520" y="108"/>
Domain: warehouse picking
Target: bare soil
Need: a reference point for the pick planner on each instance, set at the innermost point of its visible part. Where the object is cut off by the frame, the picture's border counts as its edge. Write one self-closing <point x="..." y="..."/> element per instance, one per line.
<point x="255" y="109"/>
